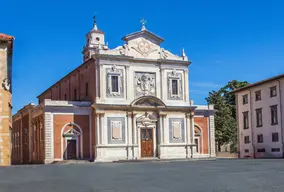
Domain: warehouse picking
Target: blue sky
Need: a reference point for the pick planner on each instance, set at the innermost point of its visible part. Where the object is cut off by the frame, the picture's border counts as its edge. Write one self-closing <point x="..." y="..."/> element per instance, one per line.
<point x="236" y="39"/>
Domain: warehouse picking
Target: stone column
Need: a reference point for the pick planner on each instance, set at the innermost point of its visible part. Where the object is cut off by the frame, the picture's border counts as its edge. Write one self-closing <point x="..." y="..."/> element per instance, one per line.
<point x="103" y="131"/>
<point x="164" y="140"/>
<point x="188" y="135"/>
<point x="98" y="129"/>
<point x="129" y="135"/>
<point x="134" y="134"/>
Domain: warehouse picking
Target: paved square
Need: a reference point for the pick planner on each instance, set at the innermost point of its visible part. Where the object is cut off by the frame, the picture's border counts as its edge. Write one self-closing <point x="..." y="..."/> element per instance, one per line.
<point x="183" y="176"/>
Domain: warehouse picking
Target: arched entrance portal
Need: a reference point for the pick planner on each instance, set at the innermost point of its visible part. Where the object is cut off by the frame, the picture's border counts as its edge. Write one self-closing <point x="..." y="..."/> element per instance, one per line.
<point x="72" y="142"/>
<point x="198" y="139"/>
<point x="146" y="123"/>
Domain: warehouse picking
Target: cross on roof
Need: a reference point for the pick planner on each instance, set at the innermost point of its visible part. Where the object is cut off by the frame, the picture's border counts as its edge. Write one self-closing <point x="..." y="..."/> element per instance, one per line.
<point x="143" y="21"/>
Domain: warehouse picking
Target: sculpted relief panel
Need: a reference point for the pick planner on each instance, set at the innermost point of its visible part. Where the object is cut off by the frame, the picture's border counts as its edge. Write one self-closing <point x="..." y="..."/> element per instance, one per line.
<point x="145" y="84"/>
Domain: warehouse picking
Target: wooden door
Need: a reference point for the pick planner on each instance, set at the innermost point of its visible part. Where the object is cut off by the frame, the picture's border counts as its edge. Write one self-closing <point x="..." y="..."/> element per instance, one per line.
<point x="147" y="143"/>
<point x="71" y="149"/>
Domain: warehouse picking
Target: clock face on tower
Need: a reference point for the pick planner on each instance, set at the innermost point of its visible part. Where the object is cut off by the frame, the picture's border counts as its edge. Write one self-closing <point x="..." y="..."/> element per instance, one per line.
<point x="144" y="47"/>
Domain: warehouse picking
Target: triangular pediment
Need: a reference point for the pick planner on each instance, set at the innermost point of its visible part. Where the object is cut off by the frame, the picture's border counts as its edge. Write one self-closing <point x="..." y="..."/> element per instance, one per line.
<point x="145" y="34"/>
<point x="144" y="45"/>
<point x="147" y="119"/>
<point x="71" y="132"/>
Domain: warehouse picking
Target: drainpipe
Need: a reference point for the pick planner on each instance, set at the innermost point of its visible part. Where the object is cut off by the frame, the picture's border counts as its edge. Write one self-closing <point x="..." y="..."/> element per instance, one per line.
<point x="281" y="120"/>
<point x="251" y="123"/>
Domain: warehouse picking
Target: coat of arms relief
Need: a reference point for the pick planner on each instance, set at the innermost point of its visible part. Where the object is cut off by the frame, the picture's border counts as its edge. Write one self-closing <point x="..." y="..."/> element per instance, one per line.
<point x="145" y="84"/>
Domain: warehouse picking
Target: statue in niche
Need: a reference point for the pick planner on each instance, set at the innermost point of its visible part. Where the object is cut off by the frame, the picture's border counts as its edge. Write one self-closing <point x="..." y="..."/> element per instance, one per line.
<point x="145" y="84"/>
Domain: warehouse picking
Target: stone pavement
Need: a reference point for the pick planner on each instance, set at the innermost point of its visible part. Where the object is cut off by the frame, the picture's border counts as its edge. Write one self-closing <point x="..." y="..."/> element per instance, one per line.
<point x="230" y="175"/>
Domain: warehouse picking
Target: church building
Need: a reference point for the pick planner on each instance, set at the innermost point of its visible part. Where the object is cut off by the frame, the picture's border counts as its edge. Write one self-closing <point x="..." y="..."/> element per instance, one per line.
<point x="127" y="103"/>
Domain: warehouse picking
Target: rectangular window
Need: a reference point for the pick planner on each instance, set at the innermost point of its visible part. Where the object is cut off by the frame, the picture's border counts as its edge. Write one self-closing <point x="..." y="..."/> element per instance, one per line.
<point x="246" y="120"/>
<point x="114" y="83"/>
<point x="246" y="150"/>
<point x="275" y="149"/>
<point x="273" y="92"/>
<point x="75" y="94"/>
<point x="245" y="99"/>
<point x="246" y="138"/>
<point x="258" y="95"/>
<point x="175" y="87"/>
<point x="258" y="117"/>
<point x="261" y="150"/>
<point x="87" y="89"/>
<point x="260" y="138"/>
<point x="274" y="118"/>
<point x="275" y="137"/>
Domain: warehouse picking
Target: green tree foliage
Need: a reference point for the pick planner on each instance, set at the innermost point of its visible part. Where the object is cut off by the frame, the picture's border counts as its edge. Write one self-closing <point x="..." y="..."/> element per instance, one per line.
<point x="225" y="116"/>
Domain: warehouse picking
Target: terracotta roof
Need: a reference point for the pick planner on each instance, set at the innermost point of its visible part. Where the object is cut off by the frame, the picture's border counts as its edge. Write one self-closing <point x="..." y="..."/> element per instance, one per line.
<point x="6" y="37"/>
<point x="260" y="82"/>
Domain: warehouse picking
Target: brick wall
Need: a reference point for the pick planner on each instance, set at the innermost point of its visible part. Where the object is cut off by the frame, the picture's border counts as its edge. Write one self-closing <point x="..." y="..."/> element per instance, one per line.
<point x="60" y="121"/>
<point x="202" y="122"/>
<point x="77" y="79"/>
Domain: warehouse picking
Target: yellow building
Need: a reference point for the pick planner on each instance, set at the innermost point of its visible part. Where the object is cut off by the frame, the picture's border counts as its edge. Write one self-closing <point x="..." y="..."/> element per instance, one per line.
<point x="6" y="51"/>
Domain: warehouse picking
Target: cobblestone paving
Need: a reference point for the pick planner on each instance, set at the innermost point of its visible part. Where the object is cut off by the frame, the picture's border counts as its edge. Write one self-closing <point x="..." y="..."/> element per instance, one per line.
<point x="179" y="176"/>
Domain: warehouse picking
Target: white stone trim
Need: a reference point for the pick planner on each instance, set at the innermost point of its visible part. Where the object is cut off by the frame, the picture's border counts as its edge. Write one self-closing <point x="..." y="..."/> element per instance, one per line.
<point x="202" y="139"/>
<point x="81" y="139"/>
<point x="49" y="146"/>
<point x="153" y="127"/>
<point x="77" y="146"/>
<point x="212" y="136"/>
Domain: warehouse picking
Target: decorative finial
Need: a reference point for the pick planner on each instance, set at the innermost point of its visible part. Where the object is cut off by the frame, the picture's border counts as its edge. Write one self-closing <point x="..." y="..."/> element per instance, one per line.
<point x="95" y="22"/>
<point x="183" y="53"/>
<point x="143" y="22"/>
<point x="184" y="57"/>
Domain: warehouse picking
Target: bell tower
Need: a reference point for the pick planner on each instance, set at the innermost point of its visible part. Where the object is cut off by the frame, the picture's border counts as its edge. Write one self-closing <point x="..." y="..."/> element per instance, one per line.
<point x="95" y="41"/>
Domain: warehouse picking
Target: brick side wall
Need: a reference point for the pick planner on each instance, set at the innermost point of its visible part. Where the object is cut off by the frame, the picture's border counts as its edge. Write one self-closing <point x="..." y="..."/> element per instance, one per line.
<point x="60" y="121"/>
<point x="77" y="79"/>
<point x="203" y="123"/>
<point x="25" y="139"/>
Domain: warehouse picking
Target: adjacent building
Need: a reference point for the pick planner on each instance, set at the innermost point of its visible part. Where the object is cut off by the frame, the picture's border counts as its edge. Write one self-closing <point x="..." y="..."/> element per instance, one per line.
<point x="260" y="115"/>
<point x="6" y="52"/>
<point x="130" y="102"/>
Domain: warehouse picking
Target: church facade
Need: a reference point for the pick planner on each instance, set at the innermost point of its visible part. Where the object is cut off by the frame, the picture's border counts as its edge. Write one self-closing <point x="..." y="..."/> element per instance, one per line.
<point x="130" y="102"/>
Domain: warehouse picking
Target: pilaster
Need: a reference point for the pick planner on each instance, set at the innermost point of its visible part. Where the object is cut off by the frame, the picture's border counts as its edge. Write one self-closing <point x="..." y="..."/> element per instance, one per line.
<point x="48" y="127"/>
<point x="102" y="80"/>
<point x="127" y="86"/>
<point x="186" y="91"/>
<point x="212" y="136"/>
<point x="193" y="146"/>
<point x="134" y="135"/>
<point x="129" y="135"/>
